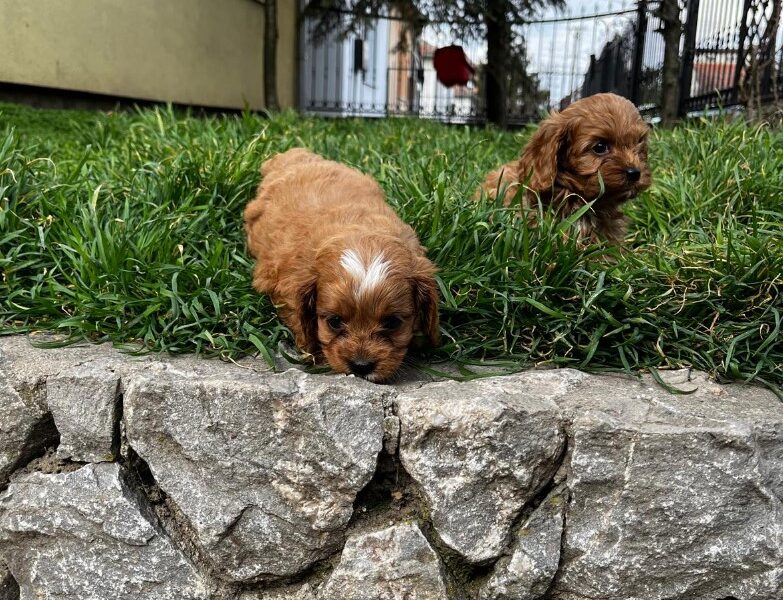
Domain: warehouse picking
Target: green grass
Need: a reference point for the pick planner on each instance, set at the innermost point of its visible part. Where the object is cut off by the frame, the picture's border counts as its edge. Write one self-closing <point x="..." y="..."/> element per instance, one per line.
<point x="126" y="227"/>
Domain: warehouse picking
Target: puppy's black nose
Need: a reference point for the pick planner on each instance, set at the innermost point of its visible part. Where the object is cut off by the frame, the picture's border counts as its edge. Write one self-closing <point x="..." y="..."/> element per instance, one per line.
<point x="633" y="174"/>
<point x="361" y="367"/>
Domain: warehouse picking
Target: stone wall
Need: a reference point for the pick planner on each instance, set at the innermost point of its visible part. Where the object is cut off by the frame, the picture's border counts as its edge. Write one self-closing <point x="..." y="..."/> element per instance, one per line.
<point x="131" y="478"/>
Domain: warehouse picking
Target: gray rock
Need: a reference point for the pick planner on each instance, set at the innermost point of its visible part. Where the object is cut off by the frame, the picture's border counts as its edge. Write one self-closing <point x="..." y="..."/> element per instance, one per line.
<point x="26" y="363"/>
<point x="295" y="592"/>
<point x="84" y="401"/>
<point x="391" y="434"/>
<point x="77" y="386"/>
<point x="84" y="535"/>
<point x="390" y="564"/>
<point x="480" y="451"/>
<point x="8" y="588"/>
<point x="26" y="428"/>
<point x="673" y="496"/>
<point x="265" y="468"/>
<point x="50" y="395"/>
<point x="528" y="573"/>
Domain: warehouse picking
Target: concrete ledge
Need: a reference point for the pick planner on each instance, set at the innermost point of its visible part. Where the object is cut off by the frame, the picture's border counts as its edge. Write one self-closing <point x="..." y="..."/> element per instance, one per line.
<point x="159" y="477"/>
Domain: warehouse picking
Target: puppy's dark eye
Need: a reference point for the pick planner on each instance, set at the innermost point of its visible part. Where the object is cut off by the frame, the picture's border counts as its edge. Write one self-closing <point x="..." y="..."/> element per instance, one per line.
<point x="391" y="323"/>
<point x="335" y="322"/>
<point x="600" y="148"/>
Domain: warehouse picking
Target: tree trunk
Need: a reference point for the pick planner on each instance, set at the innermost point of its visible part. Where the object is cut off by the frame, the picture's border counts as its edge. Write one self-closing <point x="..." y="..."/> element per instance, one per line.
<point x="498" y="52"/>
<point x="669" y="12"/>
<point x="270" y="55"/>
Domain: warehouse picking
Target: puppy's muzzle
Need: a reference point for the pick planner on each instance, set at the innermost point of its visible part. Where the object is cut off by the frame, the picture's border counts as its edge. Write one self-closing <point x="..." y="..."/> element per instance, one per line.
<point x="361" y="367"/>
<point x="633" y="174"/>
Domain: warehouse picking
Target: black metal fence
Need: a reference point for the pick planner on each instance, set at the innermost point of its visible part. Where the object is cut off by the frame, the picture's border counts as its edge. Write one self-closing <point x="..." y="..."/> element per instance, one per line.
<point x="731" y="55"/>
<point x="630" y="64"/>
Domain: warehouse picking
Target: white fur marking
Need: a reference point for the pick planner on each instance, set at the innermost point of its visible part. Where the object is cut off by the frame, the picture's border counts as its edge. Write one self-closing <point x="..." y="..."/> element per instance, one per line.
<point x="376" y="273"/>
<point x="365" y="277"/>
<point x="352" y="263"/>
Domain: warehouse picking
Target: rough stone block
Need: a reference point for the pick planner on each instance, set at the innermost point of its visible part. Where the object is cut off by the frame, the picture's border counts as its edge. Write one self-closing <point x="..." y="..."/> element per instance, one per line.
<point x="394" y="563"/>
<point x="84" y="401"/>
<point x="264" y="467"/>
<point x="529" y="571"/>
<point x="673" y="496"/>
<point x="480" y="451"/>
<point x="85" y="535"/>
<point x="9" y="590"/>
<point x="26" y="428"/>
<point x="289" y="592"/>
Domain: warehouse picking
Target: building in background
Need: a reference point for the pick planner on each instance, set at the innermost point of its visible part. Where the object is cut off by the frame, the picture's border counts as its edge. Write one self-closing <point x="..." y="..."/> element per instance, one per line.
<point x="376" y="69"/>
<point x="194" y="52"/>
<point x="345" y="74"/>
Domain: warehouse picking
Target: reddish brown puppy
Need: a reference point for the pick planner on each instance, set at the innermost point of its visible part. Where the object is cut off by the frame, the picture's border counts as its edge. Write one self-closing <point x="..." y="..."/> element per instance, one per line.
<point x="595" y="148"/>
<point x="350" y="279"/>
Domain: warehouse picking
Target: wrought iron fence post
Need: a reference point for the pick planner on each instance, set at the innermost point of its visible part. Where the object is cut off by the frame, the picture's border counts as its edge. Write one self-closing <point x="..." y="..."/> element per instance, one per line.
<point x="767" y="50"/>
<point x="671" y="29"/>
<point x="689" y="51"/>
<point x="638" y="51"/>
<point x="740" y="64"/>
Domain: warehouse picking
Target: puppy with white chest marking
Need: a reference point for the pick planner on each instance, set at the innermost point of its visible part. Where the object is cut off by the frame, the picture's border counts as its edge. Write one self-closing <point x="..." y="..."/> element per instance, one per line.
<point x="350" y="279"/>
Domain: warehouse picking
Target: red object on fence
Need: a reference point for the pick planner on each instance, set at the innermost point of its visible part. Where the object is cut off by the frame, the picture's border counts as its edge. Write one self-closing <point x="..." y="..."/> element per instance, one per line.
<point x="452" y="66"/>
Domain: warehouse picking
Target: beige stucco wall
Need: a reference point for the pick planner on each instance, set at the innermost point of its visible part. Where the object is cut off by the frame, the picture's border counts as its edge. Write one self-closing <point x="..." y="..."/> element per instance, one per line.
<point x="287" y="44"/>
<point x="202" y="52"/>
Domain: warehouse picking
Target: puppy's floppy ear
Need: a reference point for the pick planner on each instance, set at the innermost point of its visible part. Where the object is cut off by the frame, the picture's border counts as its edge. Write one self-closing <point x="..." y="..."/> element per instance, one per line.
<point x="306" y="316"/>
<point x="425" y="298"/>
<point x="541" y="154"/>
<point x="296" y="295"/>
